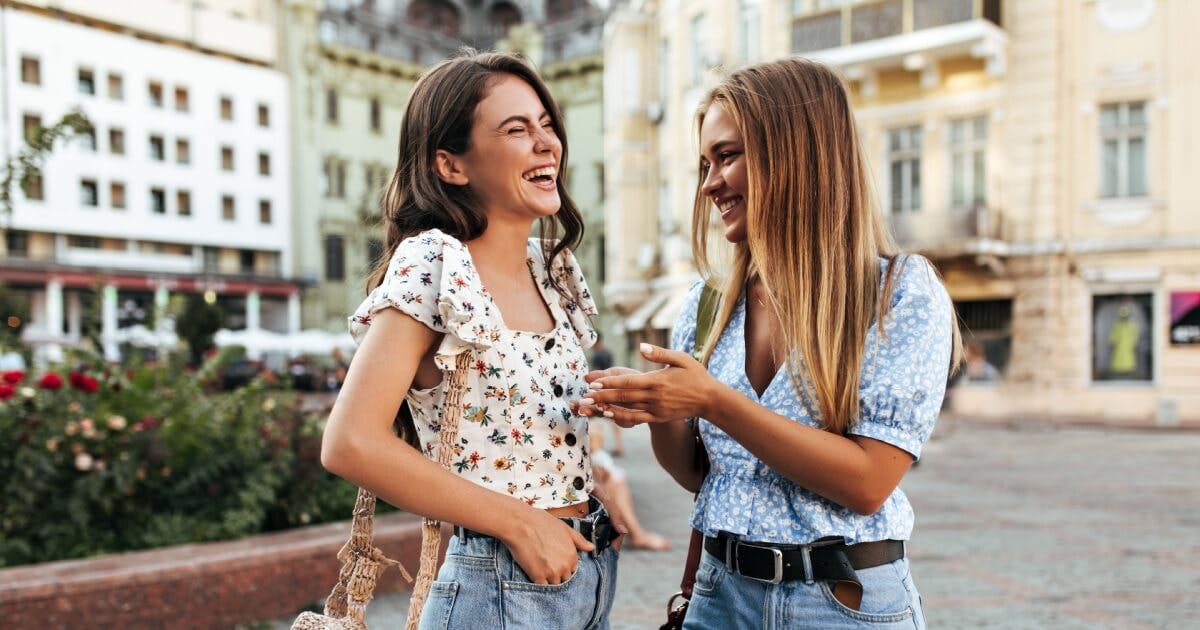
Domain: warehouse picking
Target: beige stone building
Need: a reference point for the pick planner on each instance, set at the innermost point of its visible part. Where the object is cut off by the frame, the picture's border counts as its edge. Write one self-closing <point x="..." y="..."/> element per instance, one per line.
<point x="1035" y="151"/>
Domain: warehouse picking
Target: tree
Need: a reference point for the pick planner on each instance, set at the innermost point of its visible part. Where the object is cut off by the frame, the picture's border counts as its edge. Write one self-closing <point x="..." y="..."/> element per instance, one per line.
<point x="26" y="165"/>
<point x="197" y="325"/>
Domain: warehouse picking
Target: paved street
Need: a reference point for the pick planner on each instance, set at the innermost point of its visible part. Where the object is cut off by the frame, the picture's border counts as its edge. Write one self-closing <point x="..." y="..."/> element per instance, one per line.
<point x="1016" y="528"/>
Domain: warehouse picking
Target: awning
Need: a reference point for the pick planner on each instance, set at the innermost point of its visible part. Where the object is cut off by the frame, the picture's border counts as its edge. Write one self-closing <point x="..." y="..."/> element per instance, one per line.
<point x="665" y="318"/>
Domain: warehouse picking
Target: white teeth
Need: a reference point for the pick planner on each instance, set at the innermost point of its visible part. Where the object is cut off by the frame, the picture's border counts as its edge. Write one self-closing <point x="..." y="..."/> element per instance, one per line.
<point x="725" y="206"/>
<point x="538" y="172"/>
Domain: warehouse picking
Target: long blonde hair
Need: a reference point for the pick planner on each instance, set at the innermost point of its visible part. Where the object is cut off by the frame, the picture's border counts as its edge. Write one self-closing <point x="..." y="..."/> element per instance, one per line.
<point x="814" y="235"/>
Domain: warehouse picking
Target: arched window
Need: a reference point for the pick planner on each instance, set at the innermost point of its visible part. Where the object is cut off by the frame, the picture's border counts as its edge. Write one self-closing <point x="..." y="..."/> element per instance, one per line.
<point x="435" y="15"/>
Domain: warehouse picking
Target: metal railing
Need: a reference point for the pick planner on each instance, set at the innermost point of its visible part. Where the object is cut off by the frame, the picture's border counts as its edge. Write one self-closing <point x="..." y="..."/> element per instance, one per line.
<point x="956" y="226"/>
<point x="865" y="21"/>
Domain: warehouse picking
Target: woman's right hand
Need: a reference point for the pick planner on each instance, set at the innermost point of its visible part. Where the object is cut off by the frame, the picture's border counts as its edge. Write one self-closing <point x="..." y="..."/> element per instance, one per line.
<point x="545" y="547"/>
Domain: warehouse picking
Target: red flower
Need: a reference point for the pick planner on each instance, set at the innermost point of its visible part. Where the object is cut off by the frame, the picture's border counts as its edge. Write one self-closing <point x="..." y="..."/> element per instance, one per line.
<point x="146" y="424"/>
<point x="51" y="380"/>
<point x="83" y="382"/>
<point x="14" y="376"/>
<point x="6" y="391"/>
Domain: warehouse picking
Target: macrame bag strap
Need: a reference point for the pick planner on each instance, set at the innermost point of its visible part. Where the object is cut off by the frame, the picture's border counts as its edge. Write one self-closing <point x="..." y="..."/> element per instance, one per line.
<point x="363" y="562"/>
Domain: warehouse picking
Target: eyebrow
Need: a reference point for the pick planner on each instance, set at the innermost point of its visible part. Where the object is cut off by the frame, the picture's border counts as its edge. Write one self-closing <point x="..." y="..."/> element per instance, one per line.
<point x="521" y="118"/>
<point x="720" y="144"/>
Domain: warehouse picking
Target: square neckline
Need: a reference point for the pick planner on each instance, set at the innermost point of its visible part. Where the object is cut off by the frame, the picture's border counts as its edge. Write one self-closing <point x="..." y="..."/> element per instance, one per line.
<point x="537" y="281"/>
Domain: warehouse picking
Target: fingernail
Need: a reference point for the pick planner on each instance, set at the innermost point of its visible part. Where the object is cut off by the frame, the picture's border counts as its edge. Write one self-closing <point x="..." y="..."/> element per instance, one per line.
<point x="608" y="414"/>
<point x="586" y="401"/>
<point x="596" y="385"/>
<point x="646" y="348"/>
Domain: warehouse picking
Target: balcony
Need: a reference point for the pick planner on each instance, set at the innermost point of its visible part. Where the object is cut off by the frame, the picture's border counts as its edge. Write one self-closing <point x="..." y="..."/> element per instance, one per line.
<point x="865" y="37"/>
<point x="954" y="232"/>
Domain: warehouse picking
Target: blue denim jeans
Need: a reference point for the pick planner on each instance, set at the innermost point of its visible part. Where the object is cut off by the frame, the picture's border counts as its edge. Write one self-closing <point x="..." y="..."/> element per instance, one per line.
<point x="724" y="599"/>
<point x="480" y="586"/>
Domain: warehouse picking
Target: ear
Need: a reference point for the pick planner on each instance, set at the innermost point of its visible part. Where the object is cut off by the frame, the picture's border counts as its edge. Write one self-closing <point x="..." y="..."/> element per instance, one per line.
<point x="449" y="168"/>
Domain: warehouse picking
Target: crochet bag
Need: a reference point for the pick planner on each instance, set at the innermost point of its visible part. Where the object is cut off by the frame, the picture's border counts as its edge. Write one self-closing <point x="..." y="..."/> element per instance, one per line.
<point x="363" y="562"/>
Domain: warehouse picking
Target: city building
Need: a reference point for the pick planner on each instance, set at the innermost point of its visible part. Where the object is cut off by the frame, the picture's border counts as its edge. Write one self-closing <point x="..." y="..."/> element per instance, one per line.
<point x="352" y="65"/>
<point x="1034" y="151"/>
<point x="183" y="184"/>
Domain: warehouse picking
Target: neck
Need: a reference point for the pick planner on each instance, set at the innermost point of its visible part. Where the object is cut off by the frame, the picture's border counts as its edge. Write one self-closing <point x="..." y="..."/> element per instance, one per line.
<point x="502" y="246"/>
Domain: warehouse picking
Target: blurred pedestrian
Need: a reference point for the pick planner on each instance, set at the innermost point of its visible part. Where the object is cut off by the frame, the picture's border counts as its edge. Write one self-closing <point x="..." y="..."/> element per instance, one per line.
<point x="447" y="325"/>
<point x="610" y="476"/>
<point x="819" y="381"/>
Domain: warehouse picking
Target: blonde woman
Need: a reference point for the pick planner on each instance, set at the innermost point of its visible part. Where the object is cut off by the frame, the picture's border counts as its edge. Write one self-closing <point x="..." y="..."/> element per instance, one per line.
<point x="820" y="380"/>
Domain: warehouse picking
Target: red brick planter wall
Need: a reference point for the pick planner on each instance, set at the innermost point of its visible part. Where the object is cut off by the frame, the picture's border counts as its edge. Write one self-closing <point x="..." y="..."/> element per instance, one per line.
<point x="209" y="585"/>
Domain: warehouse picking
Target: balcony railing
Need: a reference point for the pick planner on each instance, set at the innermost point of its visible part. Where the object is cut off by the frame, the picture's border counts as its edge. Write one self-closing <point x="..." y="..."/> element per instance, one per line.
<point x="957" y="230"/>
<point x="867" y="21"/>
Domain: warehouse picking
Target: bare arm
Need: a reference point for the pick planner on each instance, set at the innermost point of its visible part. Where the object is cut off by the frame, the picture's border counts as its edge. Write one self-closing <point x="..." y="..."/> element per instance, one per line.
<point x="857" y="472"/>
<point x="359" y="445"/>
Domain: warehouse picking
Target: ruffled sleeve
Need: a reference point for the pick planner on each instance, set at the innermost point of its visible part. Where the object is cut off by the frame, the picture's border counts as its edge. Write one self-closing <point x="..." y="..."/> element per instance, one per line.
<point x="905" y="368"/>
<point x="577" y="303"/>
<point x="431" y="278"/>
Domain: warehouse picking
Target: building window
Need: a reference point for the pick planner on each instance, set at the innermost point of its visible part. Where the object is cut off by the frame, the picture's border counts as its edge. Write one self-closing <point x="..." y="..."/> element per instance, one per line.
<point x="697" y="46"/>
<point x="246" y="261"/>
<point x="183" y="151"/>
<point x="212" y="258"/>
<point x="83" y="242"/>
<point x="227" y="158"/>
<point x="116" y="195"/>
<point x="331" y="106"/>
<point x="376" y="115"/>
<point x="749" y="26"/>
<point x="181" y="99"/>
<point x="116" y="86"/>
<point x="335" y="264"/>
<point x="968" y="171"/>
<point x="87" y="81"/>
<point x="16" y="243"/>
<point x="264" y="115"/>
<point x="158" y="201"/>
<point x="264" y="163"/>
<point x="155" y="90"/>
<point x="89" y="194"/>
<point x="1122" y="343"/>
<point x="32" y="125"/>
<point x="87" y="139"/>
<point x="904" y="160"/>
<point x="228" y="209"/>
<point x="183" y="203"/>
<point x="333" y="178"/>
<point x="116" y="141"/>
<point x="1123" y="139"/>
<point x="31" y="70"/>
<point x="264" y="211"/>
<point x="226" y="107"/>
<point x="156" y="148"/>
<point x="33" y="187"/>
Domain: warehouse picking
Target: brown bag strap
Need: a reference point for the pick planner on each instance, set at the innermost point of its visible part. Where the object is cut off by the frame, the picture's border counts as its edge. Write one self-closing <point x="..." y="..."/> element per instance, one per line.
<point x="706" y="315"/>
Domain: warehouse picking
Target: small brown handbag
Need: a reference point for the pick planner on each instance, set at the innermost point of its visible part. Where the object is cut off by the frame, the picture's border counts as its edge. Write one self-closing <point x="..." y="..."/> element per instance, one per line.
<point x="363" y="562"/>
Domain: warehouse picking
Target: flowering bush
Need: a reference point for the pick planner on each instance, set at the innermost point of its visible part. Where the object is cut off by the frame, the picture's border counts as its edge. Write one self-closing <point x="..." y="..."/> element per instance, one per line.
<point x="104" y="460"/>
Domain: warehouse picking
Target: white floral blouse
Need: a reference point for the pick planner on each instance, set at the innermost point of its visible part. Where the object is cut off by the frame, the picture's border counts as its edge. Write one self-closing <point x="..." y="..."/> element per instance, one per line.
<point x="517" y="434"/>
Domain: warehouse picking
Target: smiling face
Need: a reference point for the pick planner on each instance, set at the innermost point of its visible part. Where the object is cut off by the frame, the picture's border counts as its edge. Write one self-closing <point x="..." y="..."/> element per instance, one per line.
<point x="723" y="157"/>
<point x="513" y="164"/>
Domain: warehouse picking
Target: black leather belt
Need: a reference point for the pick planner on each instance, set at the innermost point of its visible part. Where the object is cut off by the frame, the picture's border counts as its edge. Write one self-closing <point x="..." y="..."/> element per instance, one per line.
<point x="597" y="528"/>
<point x="822" y="560"/>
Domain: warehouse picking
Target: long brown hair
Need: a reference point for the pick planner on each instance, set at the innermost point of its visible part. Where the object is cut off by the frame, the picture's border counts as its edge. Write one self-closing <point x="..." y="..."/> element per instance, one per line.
<point x="439" y="115"/>
<point x="814" y="234"/>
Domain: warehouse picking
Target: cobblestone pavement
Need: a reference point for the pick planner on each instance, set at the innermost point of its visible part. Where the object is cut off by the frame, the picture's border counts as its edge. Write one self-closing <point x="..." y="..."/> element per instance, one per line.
<point x="1029" y="527"/>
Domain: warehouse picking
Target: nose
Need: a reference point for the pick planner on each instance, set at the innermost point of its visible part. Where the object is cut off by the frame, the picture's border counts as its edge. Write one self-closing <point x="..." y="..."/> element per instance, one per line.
<point x="545" y="140"/>
<point x="712" y="182"/>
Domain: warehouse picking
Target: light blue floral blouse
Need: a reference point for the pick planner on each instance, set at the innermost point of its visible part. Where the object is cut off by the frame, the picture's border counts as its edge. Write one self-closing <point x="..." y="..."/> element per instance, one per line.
<point x="901" y="385"/>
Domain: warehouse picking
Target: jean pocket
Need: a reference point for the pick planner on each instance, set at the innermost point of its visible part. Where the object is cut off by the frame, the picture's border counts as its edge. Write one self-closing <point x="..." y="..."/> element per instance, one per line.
<point x="438" y="606"/>
<point x="523" y="583"/>
<point x="885" y="596"/>
<point x="709" y="574"/>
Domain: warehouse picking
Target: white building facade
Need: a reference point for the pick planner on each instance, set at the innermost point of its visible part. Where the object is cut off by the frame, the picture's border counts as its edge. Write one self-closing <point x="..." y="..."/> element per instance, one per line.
<point x="183" y="185"/>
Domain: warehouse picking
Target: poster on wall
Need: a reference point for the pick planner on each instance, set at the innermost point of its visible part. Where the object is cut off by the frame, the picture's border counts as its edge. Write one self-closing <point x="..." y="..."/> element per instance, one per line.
<point x="1185" y="318"/>
<point x="1122" y="343"/>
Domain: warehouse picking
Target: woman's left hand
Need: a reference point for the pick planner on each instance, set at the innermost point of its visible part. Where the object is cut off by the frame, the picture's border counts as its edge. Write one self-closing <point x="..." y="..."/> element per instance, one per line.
<point x="682" y="389"/>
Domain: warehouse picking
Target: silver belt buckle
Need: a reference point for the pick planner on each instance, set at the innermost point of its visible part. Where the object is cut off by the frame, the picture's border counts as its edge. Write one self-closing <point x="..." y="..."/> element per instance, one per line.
<point x="776" y="554"/>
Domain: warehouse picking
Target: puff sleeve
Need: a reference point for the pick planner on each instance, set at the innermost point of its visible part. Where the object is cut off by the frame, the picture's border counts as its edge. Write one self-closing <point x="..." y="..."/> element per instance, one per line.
<point x="905" y="369"/>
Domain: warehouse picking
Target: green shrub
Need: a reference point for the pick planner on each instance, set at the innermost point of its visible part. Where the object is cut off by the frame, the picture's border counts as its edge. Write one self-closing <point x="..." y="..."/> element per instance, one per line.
<point x="100" y="460"/>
